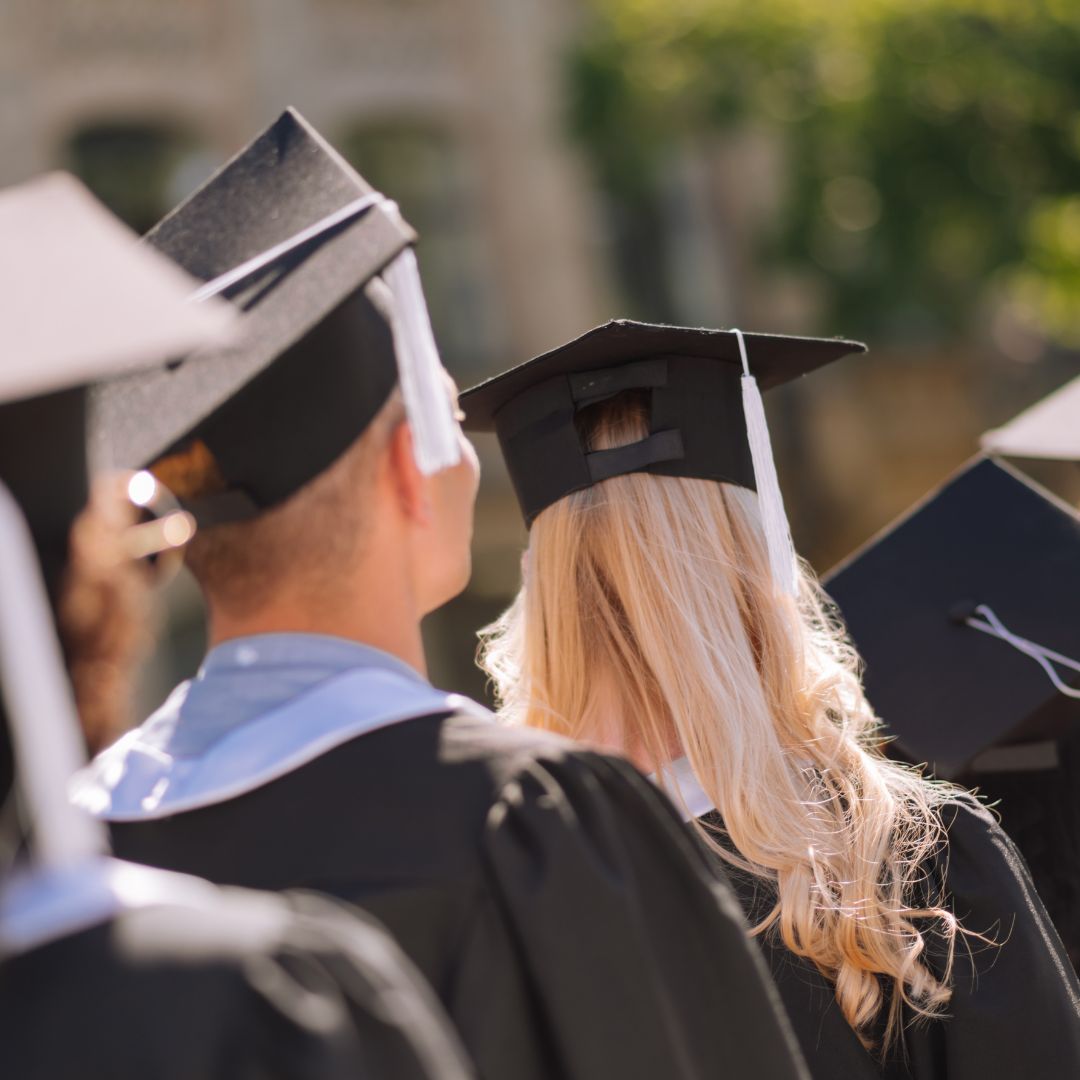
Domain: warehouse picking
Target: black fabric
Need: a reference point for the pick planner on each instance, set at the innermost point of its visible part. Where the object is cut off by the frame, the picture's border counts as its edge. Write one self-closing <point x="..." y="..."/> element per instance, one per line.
<point x="693" y="379"/>
<point x="663" y="446"/>
<point x="342" y="372"/>
<point x="177" y="993"/>
<point x="589" y="387"/>
<point x="551" y="896"/>
<point x="313" y="340"/>
<point x="1040" y="811"/>
<point x="43" y="465"/>
<point x="1015" y="1010"/>
<point x="698" y="403"/>
<point x="946" y="690"/>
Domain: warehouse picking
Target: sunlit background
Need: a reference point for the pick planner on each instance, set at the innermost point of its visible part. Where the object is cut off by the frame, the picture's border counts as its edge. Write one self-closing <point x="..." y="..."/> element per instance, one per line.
<point x="902" y="171"/>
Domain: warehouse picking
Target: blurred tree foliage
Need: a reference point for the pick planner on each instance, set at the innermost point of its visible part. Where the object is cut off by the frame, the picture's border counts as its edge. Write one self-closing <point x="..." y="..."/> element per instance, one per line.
<point x="932" y="147"/>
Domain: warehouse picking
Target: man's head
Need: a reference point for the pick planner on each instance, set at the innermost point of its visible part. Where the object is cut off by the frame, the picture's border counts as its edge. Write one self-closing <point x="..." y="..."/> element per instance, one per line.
<point x="307" y="562"/>
<point x="321" y="442"/>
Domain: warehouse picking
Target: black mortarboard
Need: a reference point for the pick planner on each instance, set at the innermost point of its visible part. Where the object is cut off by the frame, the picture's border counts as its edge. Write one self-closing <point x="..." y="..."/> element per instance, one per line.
<point x="1049" y="429"/>
<point x="699" y="413"/>
<point x="958" y="608"/>
<point x="81" y="300"/>
<point x="296" y="239"/>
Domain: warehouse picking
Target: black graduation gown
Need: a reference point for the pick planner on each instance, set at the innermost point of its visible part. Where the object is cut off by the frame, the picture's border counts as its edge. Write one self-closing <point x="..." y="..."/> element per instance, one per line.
<point x="1040" y="810"/>
<point x="173" y="992"/>
<point x="1015" y="1010"/>
<point x="551" y="896"/>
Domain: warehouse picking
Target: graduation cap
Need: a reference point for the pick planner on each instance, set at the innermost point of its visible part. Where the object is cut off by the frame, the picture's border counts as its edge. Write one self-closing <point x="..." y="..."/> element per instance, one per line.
<point x="1050" y="429"/>
<point x="320" y="269"/>
<point x="964" y="613"/>
<point x="706" y="416"/>
<point x="82" y="300"/>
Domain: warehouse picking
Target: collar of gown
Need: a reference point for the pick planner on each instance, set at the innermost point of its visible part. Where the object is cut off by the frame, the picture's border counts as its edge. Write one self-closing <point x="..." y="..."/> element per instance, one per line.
<point x="685" y="789"/>
<point x="258" y="708"/>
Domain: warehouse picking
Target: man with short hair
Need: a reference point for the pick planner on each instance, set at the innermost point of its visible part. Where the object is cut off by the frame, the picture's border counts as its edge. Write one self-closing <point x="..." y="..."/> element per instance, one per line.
<point x="549" y="894"/>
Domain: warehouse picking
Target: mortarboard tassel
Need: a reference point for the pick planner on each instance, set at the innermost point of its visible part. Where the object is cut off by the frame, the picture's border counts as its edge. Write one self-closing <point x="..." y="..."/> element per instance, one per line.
<point x="423" y="383"/>
<point x="770" y="500"/>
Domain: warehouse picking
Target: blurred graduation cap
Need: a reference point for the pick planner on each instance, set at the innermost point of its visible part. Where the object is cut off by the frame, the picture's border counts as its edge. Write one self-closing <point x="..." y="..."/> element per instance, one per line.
<point x="963" y="612"/>
<point x="81" y="300"/>
<point x="1050" y="429"/>
<point x="706" y="416"/>
<point x="321" y="270"/>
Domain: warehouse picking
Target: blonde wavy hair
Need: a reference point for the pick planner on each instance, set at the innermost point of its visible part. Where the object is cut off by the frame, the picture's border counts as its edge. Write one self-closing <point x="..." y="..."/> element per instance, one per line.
<point x="647" y="620"/>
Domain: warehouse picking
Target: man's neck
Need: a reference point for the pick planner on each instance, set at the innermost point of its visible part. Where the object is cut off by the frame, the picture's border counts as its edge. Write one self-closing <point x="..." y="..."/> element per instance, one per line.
<point x="384" y="625"/>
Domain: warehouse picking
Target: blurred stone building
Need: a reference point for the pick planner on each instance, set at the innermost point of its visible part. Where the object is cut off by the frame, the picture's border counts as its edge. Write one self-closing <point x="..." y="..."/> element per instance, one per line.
<point x="456" y="110"/>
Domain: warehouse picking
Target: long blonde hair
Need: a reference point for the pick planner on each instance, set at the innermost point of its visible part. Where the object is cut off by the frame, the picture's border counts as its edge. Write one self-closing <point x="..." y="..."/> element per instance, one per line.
<point x="648" y="619"/>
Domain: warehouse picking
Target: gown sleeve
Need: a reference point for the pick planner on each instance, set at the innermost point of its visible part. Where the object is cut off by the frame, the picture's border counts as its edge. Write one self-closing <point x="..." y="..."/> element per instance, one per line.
<point x="637" y="959"/>
<point x="337" y="962"/>
<point x="1015" y="1009"/>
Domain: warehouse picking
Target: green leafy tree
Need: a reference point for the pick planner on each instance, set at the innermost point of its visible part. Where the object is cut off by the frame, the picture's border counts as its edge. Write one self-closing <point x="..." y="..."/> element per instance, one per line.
<point x="932" y="147"/>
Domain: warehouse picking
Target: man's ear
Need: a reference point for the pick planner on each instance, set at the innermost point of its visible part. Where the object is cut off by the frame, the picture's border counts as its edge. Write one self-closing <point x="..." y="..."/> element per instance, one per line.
<point x="410" y="484"/>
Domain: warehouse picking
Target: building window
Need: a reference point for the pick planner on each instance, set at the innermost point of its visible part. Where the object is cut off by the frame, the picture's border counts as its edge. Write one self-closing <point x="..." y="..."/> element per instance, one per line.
<point x="426" y="171"/>
<point x="139" y="170"/>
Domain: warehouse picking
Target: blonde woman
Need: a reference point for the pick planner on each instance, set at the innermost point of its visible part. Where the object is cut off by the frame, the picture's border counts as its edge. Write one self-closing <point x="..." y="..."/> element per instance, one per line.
<point x="663" y="613"/>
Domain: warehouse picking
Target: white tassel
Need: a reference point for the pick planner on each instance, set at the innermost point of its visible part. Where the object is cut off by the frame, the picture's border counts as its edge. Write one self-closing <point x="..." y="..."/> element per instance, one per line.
<point x="770" y="501"/>
<point x="423" y="382"/>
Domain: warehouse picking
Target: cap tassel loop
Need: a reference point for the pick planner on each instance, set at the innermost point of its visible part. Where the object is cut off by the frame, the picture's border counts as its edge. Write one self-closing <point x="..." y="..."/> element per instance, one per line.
<point x="423" y="382"/>
<point x="1046" y="658"/>
<point x="782" y="561"/>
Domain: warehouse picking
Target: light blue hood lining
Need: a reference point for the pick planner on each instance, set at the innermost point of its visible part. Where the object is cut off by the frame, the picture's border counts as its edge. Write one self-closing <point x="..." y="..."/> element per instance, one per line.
<point x="141" y="778"/>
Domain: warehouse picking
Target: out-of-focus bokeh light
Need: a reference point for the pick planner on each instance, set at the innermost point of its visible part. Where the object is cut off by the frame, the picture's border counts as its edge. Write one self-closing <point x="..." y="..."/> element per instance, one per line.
<point x="142" y="488"/>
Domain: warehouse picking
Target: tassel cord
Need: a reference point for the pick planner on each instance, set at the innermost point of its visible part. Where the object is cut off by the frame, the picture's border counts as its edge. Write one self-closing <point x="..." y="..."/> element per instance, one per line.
<point x="781" y="549"/>
<point x="1044" y="657"/>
